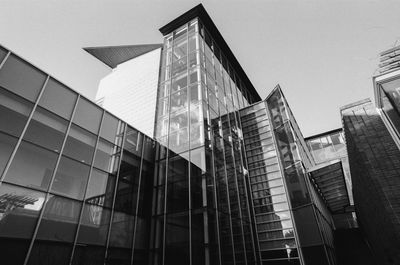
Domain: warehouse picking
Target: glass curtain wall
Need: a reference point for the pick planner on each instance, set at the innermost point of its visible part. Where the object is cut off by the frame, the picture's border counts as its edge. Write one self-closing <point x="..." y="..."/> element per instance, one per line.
<point x="203" y="214"/>
<point x="313" y="224"/>
<point x="274" y="224"/>
<point x="389" y="97"/>
<point x="74" y="179"/>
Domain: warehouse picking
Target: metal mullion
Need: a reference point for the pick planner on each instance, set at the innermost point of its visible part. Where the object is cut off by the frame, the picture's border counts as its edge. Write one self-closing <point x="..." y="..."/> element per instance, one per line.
<point x="23" y="131"/>
<point x="5" y="59"/>
<point x="115" y="191"/>
<point x="54" y="171"/>
<point x="167" y="155"/>
<point x="138" y="198"/>
<point x="237" y="193"/>
<point x="249" y="198"/>
<point x="84" y="194"/>
<point x="214" y="180"/>
<point x="229" y="201"/>
<point x="188" y="96"/>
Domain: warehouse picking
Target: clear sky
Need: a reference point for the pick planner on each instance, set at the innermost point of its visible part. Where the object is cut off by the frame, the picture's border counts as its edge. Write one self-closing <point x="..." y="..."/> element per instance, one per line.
<point x="322" y="53"/>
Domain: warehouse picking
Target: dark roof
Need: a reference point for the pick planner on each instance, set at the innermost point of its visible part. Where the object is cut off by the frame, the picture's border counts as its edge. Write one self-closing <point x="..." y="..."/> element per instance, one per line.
<point x="199" y="12"/>
<point x="115" y="55"/>
<point x="329" y="180"/>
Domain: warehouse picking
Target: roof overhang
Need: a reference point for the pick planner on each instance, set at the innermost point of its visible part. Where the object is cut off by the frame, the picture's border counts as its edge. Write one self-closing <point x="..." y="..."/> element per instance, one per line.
<point x="112" y="56"/>
<point x="330" y="182"/>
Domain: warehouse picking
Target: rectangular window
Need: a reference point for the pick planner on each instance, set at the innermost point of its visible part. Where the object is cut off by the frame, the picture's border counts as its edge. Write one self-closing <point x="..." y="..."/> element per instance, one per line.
<point x="22" y="78"/>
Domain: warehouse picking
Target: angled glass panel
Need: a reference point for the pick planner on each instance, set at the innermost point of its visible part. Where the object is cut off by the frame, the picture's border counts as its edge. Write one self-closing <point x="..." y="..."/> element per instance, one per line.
<point x="3" y="53"/>
<point x="32" y="166"/>
<point x="177" y="239"/>
<point x="71" y="178"/>
<point x="109" y="128"/>
<point x="80" y="144"/>
<point x="21" y="78"/>
<point x="46" y="129"/>
<point x="107" y="156"/>
<point x="88" y="115"/>
<point x="14" y="112"/>
<point x="133" y="141"/>
<point x="58" y="99"/>
<point x="94" y="225"/>
<point x="19" y="211"/>
<point x="59" y="220"/>
<point x="7" y="144"/>
<point x="100" y="189"/>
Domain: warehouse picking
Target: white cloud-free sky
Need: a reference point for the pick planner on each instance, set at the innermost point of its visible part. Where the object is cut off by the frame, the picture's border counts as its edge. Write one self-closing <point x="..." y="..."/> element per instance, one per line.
<point x="322" y="53"/>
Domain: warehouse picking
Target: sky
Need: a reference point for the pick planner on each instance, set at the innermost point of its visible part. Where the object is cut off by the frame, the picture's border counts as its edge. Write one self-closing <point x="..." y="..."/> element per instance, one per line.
<point x="322" y="53"/>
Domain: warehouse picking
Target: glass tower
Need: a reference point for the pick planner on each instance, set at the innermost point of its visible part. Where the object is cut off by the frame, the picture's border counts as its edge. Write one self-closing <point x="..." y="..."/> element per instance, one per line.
<point x="202" y="183"/>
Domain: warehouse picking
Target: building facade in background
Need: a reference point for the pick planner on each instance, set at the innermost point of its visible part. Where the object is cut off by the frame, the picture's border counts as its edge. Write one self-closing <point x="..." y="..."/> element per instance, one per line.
<point x="212" y="174"/>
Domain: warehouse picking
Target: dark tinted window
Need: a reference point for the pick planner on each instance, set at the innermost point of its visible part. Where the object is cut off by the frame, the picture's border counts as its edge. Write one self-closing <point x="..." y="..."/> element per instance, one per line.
<point x="80" y="144"/>
<point x="88" y="115"/>
<point x="21" y="78"/>
<point x="58" y="98"/>
<point x="7" y="144"/>
<point x="32" y="166"/>
<point x="71" y="178"/>
<point x="46" y="129"/>
<point x="14" y="112"/>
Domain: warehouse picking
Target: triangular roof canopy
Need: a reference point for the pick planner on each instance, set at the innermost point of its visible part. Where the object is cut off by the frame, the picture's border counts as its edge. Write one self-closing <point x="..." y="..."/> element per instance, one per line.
<point x="115" y="55"/>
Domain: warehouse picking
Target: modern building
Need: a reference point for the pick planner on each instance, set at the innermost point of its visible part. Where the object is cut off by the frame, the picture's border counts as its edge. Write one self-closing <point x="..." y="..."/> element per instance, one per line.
<point x="218" y="176"/>
<point x="131" y="88"/>
<point x="372" y="139"/>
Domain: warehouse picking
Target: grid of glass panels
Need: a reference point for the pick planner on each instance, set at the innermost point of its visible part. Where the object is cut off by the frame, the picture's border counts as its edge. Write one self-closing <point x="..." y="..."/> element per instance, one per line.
<point x="307" y="209"/>
<point x="329" y="147"/>
<point x="73" y="177"/>
<point x="389" y="101"/>
<point x="196" y="120"/>
<point x="276" y="237"/>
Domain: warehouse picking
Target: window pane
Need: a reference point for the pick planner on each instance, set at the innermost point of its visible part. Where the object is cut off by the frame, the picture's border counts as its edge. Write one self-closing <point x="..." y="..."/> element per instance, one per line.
<point x="177" y="239"/>
<point x="7" y="144"/>
<point x="19" y="211"/>
<point x="14" y="112"/>
<point x="46" y="129"/>
<point x="58" y="99"/>
<point x="94" y="225"/>
<point x="32" y="166"/>
<point x="59" y="219"/>
<point x="88" y="115"/>
<point x="3" y="53"/>
<point x="80" y="144"/>
<point x="71" y="178"/>
<point x="21" y="78"/>
<point x="109" y="128"/>
<point x="106" y="156"/>
<point x="133" y="141"/>
<point x="100" y="189"/>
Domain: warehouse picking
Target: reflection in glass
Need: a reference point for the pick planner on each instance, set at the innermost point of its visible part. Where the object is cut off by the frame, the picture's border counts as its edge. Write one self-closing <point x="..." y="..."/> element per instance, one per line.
<point x="46" y="129"/>
<point x="100" y="189"/>
<point x="71" y="178"/>
<point x="7" y="144"/>
<point x="14" y="112"/>
<point x="19" y="210"/>
<point x="80" y="144"/>
<point x="32" y="166"/>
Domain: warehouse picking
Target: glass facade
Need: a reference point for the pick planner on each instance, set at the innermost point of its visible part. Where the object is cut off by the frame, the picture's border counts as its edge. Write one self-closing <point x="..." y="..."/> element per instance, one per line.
<point x="74" y="179"/>
<point x="328" y="147"/>
<point x="204" y="214"/>
<point x="274" y="221"/>
<point x="389" y="101"/>
<point x="313" y="221"/>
